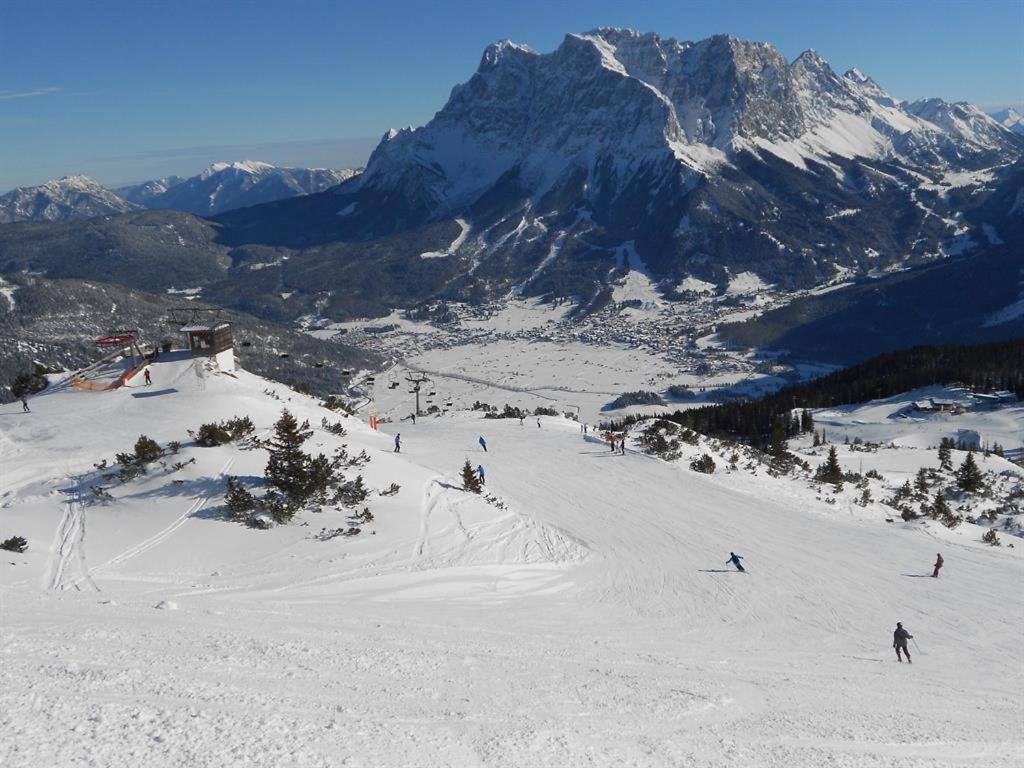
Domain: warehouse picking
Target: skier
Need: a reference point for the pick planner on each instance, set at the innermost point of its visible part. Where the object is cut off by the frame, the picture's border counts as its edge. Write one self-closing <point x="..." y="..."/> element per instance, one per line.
<point x="398" y="442"/>
<point x="538" y="422"/>
<point x="938" y="564"/>
<point x="622" y="444"/>
<point x="611" y="441"/>
<point x="899" y="642"/>
<point x="480" y="471"/>
<point x="146" y="376"/>
<point x="24" y="405"/>
<point x="521" y="420"/>
<point x="735" y="560"/>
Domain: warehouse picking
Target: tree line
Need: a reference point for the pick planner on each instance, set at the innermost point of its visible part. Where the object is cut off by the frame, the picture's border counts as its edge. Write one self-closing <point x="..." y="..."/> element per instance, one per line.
<point x="982" y="367"/>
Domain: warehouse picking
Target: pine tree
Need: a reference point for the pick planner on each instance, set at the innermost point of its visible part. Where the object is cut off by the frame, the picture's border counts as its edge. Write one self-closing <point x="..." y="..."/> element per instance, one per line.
<point x="288" y="468"/>
<point x="470" y="479"/>
<point x="830" y="471"/>
<point x="969" y="476"/>
<point x="921" y="481"/>
<point x="817" y="440"/>
<point x="940" y="509"/>
<point x="946" y="453"/>
<point x="806" y="421"/>
<point x="238" y="501"/>
<point x="778" y="446"/>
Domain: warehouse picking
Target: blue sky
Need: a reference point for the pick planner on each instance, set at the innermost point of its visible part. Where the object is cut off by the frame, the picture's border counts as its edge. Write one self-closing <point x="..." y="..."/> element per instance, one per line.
<point x="127" y="91"/>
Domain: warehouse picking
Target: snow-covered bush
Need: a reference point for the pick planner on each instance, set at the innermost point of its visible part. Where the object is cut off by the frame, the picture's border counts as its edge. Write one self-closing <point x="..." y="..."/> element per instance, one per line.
<point x="15" y="544"/>
<point x="703" y="464"/>
<point x="508" y="412"/>
<point x="223" y="432"/>
<point x="661" y="438"/>
<point x="211" y="435"/>
<point x="337" y="428"/>
<point x="991" y="538"/>
<point x="147" y="450"/>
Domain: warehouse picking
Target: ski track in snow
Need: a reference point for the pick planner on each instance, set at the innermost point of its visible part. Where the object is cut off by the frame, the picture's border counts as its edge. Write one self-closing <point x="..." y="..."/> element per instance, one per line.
<point x="68" y="546"/>
<point x="160" y="536"/>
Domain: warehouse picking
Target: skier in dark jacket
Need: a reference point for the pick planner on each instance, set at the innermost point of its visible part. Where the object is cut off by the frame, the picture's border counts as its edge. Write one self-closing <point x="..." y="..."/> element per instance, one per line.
<point x="735" y="560"/>
<point x="398" y="443"/>
<point x="24" y="405"/>
<point x="483" y="443"/>
<point x="938" y="564"/>
<point x="899" y="642"/>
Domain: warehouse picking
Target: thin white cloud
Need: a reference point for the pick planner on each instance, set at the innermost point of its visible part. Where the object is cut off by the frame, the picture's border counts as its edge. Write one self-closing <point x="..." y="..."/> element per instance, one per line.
<point x="4" y="95"/>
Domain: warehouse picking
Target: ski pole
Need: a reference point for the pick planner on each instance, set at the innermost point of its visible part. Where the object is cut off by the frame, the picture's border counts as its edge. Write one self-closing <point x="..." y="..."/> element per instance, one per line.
<point x="917" y="646"/>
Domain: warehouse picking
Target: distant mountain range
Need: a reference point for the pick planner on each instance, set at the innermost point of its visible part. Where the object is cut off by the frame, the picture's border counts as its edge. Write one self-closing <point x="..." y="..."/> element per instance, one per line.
<point x="554" y="174"/>
<point x="70" y="198"/>
<point x="221" y="187"/>
<point x="226" y="186"/>
<point x="1010" y="119"/>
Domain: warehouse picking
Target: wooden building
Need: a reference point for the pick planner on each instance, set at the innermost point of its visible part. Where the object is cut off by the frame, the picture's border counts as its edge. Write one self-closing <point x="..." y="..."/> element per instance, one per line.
<point x="213" y="340"/>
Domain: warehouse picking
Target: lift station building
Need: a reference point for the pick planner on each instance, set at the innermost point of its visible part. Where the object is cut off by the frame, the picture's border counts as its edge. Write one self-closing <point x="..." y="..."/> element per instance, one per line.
<point x="212" y="340"/>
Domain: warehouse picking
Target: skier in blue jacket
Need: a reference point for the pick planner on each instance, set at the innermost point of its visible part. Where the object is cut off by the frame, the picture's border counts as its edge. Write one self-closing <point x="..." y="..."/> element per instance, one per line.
<point x="735" y="560"/>
<point x="483" y="443"/>
<point x="480" y="471"/>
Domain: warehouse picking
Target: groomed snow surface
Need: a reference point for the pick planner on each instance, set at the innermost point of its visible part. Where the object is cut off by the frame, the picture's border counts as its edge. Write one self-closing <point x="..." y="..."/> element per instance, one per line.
<point x="590" y="619"/>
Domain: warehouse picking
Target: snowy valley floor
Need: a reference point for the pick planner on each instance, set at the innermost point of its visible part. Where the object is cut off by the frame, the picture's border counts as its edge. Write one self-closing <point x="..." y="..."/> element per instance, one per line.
<point x="591" y="621"/>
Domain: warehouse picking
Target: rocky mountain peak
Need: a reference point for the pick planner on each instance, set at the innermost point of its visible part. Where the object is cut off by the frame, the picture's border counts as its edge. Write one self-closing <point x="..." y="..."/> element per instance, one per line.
<point x="68" y="198"/>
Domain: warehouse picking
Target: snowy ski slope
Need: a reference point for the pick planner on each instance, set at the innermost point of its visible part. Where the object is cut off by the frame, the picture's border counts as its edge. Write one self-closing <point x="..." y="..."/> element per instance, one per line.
<point x="588" y="620"/>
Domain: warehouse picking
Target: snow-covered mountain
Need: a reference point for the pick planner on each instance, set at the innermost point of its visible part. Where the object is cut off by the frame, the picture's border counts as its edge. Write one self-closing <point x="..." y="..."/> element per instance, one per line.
<point x="225" y="186"/>
<point x="69" y="198"/>
<point x="1010" y="119"/>
<point x="613" y="102"/>
<point x="709" y="158"/>
<point x="558" y="174"/>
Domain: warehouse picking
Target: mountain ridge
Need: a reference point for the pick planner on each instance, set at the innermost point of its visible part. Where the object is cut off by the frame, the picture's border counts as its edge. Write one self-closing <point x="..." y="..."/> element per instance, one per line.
<point x="69" y="198"/>
<point x="224" y="186"/>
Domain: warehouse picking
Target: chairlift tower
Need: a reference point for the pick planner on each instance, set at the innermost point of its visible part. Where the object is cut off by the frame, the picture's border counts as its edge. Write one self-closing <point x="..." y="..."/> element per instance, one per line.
<point x="417" y="382"/>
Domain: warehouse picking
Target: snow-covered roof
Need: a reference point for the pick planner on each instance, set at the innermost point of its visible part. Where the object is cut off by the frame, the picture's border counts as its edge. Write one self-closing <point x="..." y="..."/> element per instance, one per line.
<point x="202" y="327"/>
